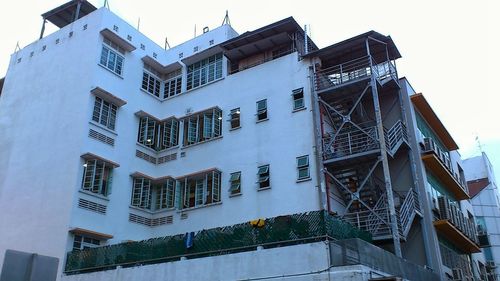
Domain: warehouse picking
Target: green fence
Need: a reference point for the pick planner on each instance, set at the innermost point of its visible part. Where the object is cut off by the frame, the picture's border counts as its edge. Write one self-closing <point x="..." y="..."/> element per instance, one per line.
<point x="277" y="231"/>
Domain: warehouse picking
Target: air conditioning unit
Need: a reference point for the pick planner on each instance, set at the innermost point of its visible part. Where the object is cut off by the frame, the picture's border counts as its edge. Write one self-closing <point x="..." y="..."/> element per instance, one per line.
<point x="453" y="214"/>
<point x="458" y="274"/>
<point x="435" y="205"/>
<point x="444" y="208"/>
<point x="429" y="145"/>
<point x="491" y="264"/>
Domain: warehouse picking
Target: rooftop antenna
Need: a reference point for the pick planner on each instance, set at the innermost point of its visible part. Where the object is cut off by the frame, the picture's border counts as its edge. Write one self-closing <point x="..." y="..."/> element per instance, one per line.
<point x="195" y="30"/>
<point x="226" y="19"/>
<point x="167" y="46"/>
<point x="106" y="4"/>
<point x="138" y="23"/>
<point x="479" y="145"/>
<point x="17" y="47"/>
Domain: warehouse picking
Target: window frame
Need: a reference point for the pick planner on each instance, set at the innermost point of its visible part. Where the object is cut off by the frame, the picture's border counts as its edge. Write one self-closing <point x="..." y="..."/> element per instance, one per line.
<point x="199" y="190"/>
<point x="261" y="111"/>
<point x="158" y="135"/>
<point x="303" y="167"/>
<point x="97" y="177"/>
<point x="104" y="111"/>
<point x="115" y="65"/>
<point x="298" y="95"/>
<point x="235" y="118"/>
<point x="83" y="242"/>
<point x="204" y="71"/>
<point x="264" y="177"/>
<point x="202" y="126"/>
<point x="235" y="183"/>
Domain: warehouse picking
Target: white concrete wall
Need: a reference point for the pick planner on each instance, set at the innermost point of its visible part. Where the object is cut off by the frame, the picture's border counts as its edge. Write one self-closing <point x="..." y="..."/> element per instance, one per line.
<point x="45" y="111"/>
<point x="42" y="128"/>
<point x="300" y="262"/>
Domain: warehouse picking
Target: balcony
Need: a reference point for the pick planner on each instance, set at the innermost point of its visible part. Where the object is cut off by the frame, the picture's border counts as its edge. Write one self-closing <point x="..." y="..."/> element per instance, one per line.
<point x="456" y="227"/>
<point x="440" y="164"/>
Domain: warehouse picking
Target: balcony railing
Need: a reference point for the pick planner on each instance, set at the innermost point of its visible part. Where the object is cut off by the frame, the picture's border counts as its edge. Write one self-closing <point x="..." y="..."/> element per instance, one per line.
<point x="346" y="72"/>
<point x="468" y="240"/>
<point x="353" y="70"/>
<point x="350" y="142"/>
<point x="276" y="231"/>
<point x="443" y="159"/>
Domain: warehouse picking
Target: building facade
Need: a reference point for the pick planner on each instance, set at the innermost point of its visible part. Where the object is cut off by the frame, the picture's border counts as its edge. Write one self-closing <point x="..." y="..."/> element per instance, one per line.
<point x="111" y="140"/>
<point x="485" y="201"/>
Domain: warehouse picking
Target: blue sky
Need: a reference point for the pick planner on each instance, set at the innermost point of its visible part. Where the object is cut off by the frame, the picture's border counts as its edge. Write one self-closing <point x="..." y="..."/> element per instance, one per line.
<point x="449" y="48"/>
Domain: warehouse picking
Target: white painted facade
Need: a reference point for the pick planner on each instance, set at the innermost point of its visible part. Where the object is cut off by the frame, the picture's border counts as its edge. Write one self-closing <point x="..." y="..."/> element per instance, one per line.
<point x="57" y="110"/>
<point x="486" y="205"/>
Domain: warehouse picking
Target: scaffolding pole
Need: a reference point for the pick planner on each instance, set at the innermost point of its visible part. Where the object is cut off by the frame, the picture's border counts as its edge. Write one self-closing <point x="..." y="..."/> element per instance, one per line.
<point x="383" y="158"/>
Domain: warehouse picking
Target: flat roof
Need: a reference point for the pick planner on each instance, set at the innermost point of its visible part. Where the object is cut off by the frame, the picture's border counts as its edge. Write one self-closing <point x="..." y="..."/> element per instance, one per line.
<point x="65" y="14"/>
<point x="355" y="47"/>
<point x="265" y="37"/>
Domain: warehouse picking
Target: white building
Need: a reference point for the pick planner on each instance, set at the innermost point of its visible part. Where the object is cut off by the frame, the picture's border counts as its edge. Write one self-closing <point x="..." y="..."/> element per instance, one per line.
<point x="485" y="200"/>
<point x="108" y="138"/>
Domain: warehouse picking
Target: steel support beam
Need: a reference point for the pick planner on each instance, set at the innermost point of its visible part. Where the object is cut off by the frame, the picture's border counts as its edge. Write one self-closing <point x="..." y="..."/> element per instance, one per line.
<point x="385" y="162"/>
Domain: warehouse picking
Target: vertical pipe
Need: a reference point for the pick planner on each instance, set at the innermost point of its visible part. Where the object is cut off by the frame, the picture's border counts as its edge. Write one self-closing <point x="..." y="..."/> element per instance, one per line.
<point x="78" y="7"/>
<point x="43" y="28"/>
<point x="317" y="134"/>
<point x="385" y="163"/>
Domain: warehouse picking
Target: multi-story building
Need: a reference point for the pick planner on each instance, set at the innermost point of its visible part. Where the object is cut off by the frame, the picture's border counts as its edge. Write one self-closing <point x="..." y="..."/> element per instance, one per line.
<point x="165" y="155"/>
<point x="486" y="203"/>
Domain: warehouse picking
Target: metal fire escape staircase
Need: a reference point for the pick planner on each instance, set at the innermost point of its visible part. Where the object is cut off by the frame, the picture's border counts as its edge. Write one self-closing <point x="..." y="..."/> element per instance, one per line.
<point x="354" y="135"/>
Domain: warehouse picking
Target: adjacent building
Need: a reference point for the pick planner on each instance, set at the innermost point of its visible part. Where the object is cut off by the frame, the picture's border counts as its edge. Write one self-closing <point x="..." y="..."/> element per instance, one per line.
<point x="485" y="201"/>
<point x="210" y="159"/>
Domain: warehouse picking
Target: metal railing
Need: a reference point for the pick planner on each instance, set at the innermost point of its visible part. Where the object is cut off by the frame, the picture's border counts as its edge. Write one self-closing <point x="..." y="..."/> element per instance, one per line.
<point x="453" y="260"/>
<point x="350" y="142"/>
<point x="353" y="70"/>
<point x="385" y="70"/>
<point x="395" y="136"/>
<point x="431" y="147"/>
<point x="377" y="221"/>
<point x="408" y="210"/>
<point x="276" y="231"/>
<point x="346" y="72"/>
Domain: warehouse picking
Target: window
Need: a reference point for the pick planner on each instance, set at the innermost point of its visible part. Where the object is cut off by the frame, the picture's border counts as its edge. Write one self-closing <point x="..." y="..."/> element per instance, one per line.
<point x="235" y="183"/>
<point x="155" y="83"/>
<point x="112" y="56"/>
<point x="173" y="84"/>
<point x="204" y="71"/>
<point x="303" y="167"/>
<point x="158" y="135"/>
<point x="151" y="82"/>
<point x="97" y="176"/>
<point x="263" y="177"/>
<point x="261" y="110"/>
<point x="104" y="113"/>
<point x="298" y="99"/>
<point x="153" y="196"/>
<point x="199" y="190"/>
<point x="203" y="126"/>
<point x="234" y="116"/>
<point x="82" y="242"/>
